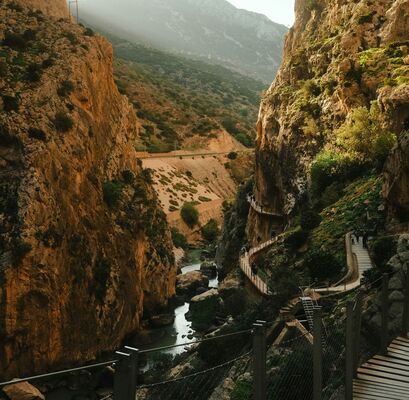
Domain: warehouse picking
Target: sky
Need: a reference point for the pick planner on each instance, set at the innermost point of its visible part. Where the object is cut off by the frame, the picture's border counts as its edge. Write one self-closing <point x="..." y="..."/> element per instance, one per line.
<point x="281" y="11"/>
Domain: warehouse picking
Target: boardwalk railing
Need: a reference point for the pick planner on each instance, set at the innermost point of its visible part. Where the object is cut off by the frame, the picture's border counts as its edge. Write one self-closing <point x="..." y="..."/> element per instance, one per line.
<point x="260" y="209"/>
<point x="197" y="384"/>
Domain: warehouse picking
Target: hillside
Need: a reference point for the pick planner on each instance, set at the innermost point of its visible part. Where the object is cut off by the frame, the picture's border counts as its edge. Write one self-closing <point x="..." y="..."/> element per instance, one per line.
<point x="184" y="103"/>
<point x="84" y="244"/>
<point x="210" y="30"/>
<point x="336" y="109"/>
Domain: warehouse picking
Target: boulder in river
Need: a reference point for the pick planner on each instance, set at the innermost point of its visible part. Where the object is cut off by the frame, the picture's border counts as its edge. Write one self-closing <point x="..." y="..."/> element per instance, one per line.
<point x="203" y="309"/>
<point x="23" y="391"/>
<point x="229" y="287"/>
<point x="209" y="269"/>
<point x="187" y="284"/>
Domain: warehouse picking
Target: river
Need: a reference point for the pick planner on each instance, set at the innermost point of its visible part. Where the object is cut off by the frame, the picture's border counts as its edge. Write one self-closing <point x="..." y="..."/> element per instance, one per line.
<point x="181" y="331"/>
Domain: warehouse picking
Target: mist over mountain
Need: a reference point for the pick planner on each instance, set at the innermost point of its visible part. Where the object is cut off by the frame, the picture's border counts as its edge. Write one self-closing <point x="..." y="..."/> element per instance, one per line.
<point x="213" y="30"/>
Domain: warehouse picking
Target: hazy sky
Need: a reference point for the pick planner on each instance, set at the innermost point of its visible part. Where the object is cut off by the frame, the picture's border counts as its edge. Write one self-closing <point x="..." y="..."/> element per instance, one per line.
<point x="281" y="11"/>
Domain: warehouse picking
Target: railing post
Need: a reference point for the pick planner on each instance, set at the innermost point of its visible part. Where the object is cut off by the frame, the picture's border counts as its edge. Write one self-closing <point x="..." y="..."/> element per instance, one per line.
<point x="357" y="330"/>
<point x="349" y="346"/>
<point x="405" y="314"/>
<point x="123" y="377"/>
<point x="259" y="361"/>
<point x="134" y="371"/>
<point x="385" y="311"/>
<point x="317" y="353"/>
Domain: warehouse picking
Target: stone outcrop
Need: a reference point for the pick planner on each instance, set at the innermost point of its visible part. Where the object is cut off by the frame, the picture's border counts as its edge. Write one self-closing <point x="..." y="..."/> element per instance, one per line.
<point x="339" y="55"/>
<point x="23" y="391"/>
<point x="400" y="267"/>
<point x="187" y="284"/>
<point x="396" y="187"/>
<point x="85" y="249"/>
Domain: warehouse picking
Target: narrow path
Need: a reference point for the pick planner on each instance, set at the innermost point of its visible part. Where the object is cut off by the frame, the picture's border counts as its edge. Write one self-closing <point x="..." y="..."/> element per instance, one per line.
<point x="362" y="263"/>
<point x="385" y="377"/>
<point x="260" y="209"/>
<point x="258" y="283"/>
<point x="181" y="154"/>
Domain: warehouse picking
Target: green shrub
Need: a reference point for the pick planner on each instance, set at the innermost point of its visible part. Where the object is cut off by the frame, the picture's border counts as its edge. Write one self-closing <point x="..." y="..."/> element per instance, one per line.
<point x="29" y="35"/>
<point x="33" y="72"/>
<point x="3" y="69"/>
<point x="66" y="88"/>
<point x="89" y="32"/>
<point x="112" y="192"/>
<point x="179" y="239"/>
<point x="10" y="103"/>
<point x="321" y="264"/>
<point x="232" y="155"/>
<point x="210" y="231"/>
<point x="147" y="175"/>
<point x="47" y="63"/>
<point x="128" y="176"/>
<point x="296" y="239"/>
<point x="383" y="249"/>
<point x="242" y="390"/>
<point x="310" y="219"/>
<point x="71" y="38"/>
<point x="36" y="133"/>
<point x="63" y="122"/>
<point x="14" y="41"/>
<point x="190" y="214"/>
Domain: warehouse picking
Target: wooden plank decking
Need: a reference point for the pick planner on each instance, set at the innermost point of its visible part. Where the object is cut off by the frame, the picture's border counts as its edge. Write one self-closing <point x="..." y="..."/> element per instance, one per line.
<point x="385" y="377"/>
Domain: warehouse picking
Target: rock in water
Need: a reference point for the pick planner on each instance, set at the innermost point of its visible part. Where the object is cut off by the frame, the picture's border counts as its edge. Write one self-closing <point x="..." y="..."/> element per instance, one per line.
<point x="23" y="391"/>
<point x="188" y="283"/>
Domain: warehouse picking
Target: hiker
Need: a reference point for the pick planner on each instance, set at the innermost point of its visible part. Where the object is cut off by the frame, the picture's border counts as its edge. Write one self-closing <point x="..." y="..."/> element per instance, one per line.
<point x="365" y="240"/>
<point x="254" y="268"/>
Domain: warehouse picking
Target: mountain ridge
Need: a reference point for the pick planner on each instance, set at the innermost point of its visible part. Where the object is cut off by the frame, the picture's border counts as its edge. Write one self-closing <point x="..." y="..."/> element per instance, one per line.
<point x="215" y="31"/>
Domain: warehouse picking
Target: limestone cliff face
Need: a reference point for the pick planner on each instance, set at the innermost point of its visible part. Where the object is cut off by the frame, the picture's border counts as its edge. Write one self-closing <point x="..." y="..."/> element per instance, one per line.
<point x="339" y="55"/>
<point x="85" y="250"/>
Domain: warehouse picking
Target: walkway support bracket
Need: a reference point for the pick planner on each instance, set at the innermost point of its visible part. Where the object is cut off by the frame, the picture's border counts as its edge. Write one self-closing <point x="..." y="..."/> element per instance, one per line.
<point x="125" y="375"/>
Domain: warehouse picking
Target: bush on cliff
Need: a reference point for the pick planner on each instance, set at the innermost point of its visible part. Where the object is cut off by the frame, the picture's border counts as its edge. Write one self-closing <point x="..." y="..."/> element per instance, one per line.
<point x="322" y="265"/>
<point x="190" y="214"/>
<point x="210" y="231"/>
<point x="310" y="219"/>
<point x="112" y="193"/>
<point x="179" y="239"/>
<point x="63" y="122"/>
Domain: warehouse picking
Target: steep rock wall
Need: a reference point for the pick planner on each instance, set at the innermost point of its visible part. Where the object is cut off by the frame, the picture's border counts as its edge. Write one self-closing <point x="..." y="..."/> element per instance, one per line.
<point x="77" y="273"/>
<point x="332" y="61"/>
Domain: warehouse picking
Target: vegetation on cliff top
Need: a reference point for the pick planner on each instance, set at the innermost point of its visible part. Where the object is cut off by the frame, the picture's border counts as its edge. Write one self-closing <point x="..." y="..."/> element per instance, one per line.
<point x="178" y="98"/>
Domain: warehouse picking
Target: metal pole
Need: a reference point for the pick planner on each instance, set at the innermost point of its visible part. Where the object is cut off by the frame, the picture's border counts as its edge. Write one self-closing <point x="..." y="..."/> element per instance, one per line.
<point x="358" y="321"/>
<point x="317" y="353"/>
<point x="349" y="358"/>
<point x="405" y="315"/>
<point x="385" y="309"/>
<point x="134" y="371"/>
<point x="259" y="362"/>
<point x="122" y="378"/>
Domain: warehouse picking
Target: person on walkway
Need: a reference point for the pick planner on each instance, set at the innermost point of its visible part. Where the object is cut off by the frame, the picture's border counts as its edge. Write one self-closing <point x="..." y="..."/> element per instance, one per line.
<point x="365" y="240"/>
<point x="254" y="269"/>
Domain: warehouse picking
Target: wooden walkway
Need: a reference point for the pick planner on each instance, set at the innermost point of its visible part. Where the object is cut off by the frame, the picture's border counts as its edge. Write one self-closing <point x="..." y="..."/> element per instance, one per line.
<point x="385" y="377"/>
<point x="261" y="210"/>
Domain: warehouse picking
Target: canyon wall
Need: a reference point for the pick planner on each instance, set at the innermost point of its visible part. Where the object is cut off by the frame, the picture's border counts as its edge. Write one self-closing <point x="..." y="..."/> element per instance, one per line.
<point x="85" y="250"/>
<point x="339" y="56"/>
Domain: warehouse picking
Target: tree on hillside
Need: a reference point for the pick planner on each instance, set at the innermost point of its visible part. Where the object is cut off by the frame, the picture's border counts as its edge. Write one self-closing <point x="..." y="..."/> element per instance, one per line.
<point x="190" y="214"/>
